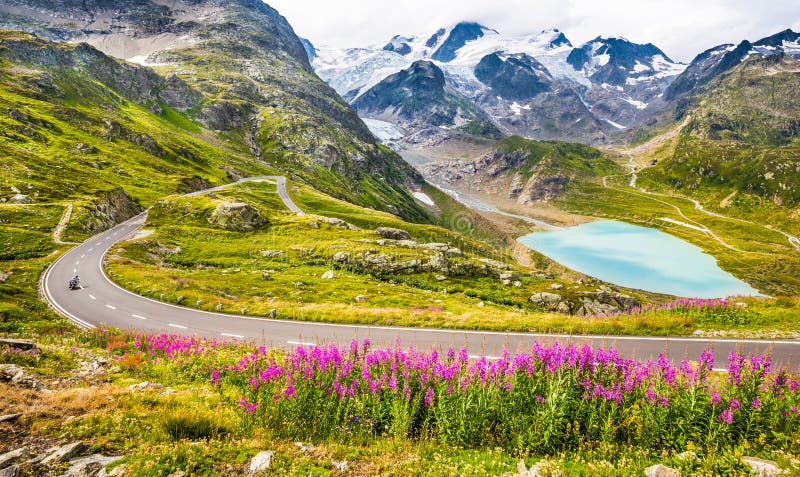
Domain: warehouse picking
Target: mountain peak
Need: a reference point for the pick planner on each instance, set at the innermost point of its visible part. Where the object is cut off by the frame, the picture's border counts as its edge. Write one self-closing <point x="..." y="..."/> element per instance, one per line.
<point x="462" y="33"/>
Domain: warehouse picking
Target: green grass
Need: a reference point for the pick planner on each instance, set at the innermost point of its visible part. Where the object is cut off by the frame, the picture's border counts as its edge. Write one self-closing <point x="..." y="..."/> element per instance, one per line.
<point x="200" y="266"/>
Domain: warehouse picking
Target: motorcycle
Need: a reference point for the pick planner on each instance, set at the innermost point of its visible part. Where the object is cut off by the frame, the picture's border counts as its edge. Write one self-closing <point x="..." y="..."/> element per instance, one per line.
<point x="75" y="284"/>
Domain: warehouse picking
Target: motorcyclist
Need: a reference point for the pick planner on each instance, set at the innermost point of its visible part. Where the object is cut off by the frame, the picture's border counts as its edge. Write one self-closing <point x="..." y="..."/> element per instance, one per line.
<point x="73" y="284"/>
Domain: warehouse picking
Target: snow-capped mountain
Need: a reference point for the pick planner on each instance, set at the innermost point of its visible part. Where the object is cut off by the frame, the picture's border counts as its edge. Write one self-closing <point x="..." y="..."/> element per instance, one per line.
<point x="716" y="61"/>
<point x="524" y="84"/>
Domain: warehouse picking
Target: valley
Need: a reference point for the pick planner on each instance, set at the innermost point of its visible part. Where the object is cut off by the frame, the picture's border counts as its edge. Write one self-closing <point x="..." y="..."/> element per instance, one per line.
<point x="457" y="252"/>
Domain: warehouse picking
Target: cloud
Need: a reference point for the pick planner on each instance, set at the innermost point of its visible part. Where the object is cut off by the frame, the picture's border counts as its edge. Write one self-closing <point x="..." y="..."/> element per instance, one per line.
<point x="682" y="28"/>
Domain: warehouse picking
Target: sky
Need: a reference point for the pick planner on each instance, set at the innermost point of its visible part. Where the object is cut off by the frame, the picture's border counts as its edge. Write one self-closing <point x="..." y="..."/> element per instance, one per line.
<point x="682" y="28"/>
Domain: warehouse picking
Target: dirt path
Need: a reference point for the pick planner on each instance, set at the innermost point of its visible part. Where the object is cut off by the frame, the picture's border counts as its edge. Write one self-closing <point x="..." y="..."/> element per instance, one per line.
<point x="62" y="224"/>
<point x="641" y="192"/>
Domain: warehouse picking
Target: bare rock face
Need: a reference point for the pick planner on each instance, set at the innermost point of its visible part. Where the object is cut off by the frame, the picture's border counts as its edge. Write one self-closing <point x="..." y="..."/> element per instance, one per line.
<point x="236" y="216"/>
<point x="109" y="209"/>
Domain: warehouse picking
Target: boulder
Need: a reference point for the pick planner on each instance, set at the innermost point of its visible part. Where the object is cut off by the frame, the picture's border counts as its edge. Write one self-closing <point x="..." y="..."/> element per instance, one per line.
<point x="12" y="471"/>
<point x="660" y="470"/>
<point x="109" y="209"/>
<point x="762" y="468"/>
<point x="21" y="199"/>
<point x="341" y="466"/>
<point x="494" y="263"/>
<point x="313" y="224"/>
<point x="338" y="223"/>
<point x="329" y="275"/>
<point x="17" y="377"/>
<point x="272" y="253"/>
<point x="547" y="301"/>
<point x="13" y="456"/>
<point x="360" y="298"/>
<point x="90" y="466"/>
<point x="24" y="345"/>
<point x="261" y="462"/>
<point x="57" y="455"/>
<point x="341" y="257"/>
<point x="10" y="417"/>
<point x="393" y="233"/>
<point x="510" y="276"/>
<point x="236" y="216"/>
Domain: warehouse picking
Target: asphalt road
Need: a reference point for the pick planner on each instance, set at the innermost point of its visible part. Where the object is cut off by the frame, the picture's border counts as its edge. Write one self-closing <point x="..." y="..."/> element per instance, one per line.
<point x="101" y="302"/>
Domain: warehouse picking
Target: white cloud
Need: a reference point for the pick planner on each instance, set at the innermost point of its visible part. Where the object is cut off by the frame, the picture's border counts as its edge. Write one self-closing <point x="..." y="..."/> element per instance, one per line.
<point x="682" y="28"/>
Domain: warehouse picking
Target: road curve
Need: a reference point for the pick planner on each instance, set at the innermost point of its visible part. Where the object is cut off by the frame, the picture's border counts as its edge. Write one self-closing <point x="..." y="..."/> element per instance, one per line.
<point x="102" y="302"/>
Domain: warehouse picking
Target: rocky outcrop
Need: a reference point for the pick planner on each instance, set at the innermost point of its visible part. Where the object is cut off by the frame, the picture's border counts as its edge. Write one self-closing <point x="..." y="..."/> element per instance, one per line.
<point x="236" y="216"/>
<point x="16" y="376"/>
<point x="551" y="302"/>
<point x="601" y="303"/>
<point x="393" y="233"/>
<point x="20" y="199"/>
<point x="337" y="223"/>
<point x="109" y="209"/>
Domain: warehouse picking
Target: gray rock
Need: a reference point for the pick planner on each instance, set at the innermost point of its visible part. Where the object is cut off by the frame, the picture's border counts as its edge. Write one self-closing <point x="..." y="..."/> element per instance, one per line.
<point x="236" y="216"/>
<point x="17" y="377"/>
<point x="266" y="276"/>
<point x="272" y="253"/>
<point x="13" y="456"/>
<point x="18" y="344"/>
<point x="763" y="468"/>
<point x="360" y="298"/>
<point x="273" y="313"/>
<point x="338" y="223"/>
<point x="393" y="233"/>
<point x="556" y="286"/>
<point x="10" y="417"/>
<point x="454" y="252"/>
<point x="341" y="257"/>
<point x="109" y="209"/>
<point x="329" y="275"/>
<point x="57" y="455"/>
<point x="261" y="462"/>
<point x="89" y="466"/>
<point x="440" y="278"/>
<point x="511" y="276"/>
<point x="12" y="471"/>
<point x="434" y="246"/>
<point x="341" y="466"/>
<point x="21" y="199"/>
<point x="494" y="263"/>
<point x="144" y="386"/>
<point x="313" y="224"/>
<point x="546" y="300"/>
<point x="660" y="470"/>
<point x="84" y="148"/>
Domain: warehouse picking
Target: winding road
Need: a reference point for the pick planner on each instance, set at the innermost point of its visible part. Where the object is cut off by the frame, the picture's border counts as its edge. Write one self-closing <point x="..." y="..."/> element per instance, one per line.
<point x="103" y="303"/>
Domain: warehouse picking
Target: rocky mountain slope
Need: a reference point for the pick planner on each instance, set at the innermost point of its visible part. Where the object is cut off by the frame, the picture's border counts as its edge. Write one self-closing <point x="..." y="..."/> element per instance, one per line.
<point x="742" y="135"/>
<point x="523" y="170"/>
<point x="716" y="61"/>
<point x="419" y="98"/>
<point x="536" y="85"/>
<point x="237" y="69"/>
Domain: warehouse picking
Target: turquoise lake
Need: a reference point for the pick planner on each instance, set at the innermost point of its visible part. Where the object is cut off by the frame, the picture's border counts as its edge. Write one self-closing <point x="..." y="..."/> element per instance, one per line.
<point x="638" y="257"/>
